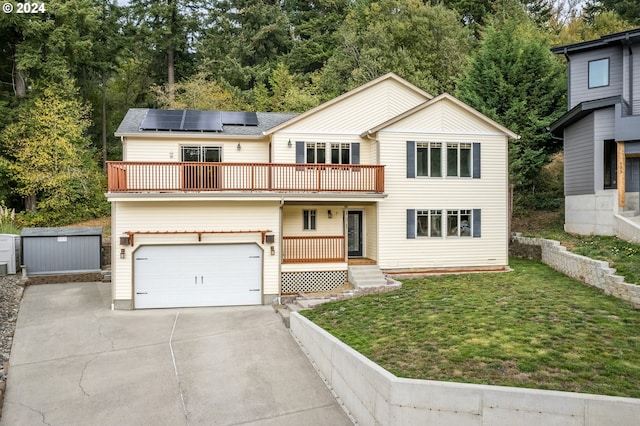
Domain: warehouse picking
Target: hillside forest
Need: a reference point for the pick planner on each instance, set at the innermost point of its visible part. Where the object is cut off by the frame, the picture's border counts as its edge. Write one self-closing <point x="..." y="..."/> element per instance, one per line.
<point x="70" y="70"/>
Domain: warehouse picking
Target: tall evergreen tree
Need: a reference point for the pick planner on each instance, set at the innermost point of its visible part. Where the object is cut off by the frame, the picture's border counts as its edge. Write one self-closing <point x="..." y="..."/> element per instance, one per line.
<point x="514" y="79"/>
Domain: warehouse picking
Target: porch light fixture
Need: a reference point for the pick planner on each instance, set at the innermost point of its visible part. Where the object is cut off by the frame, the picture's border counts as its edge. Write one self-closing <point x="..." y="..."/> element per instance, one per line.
<point x="238" y="147"/>
<point x="329" y="214"/>
<point x="289" y="143"/>
<point x="121" y="253"/>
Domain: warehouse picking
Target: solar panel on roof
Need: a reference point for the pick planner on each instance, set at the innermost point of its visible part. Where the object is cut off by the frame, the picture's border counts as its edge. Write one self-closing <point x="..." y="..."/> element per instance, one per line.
<point x="196" y="121"/>
<point x="205" y="121"/>
<point x="157" y="119"/>
<point x="239" y="118"/>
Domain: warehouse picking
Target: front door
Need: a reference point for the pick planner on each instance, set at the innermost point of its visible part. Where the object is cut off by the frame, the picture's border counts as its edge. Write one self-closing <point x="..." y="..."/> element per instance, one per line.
<point x="354" y="233"/>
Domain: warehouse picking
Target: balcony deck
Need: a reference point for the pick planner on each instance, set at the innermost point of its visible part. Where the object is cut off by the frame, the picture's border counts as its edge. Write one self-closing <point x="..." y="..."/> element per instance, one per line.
<point x="125" y="176"/>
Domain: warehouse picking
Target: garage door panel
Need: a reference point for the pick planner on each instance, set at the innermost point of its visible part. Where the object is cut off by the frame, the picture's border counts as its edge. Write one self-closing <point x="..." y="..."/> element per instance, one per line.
<point x="198" y="275"/>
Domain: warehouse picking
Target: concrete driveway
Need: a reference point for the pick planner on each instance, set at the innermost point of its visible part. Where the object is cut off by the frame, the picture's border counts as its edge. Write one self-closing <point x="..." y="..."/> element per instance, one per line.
<point x="75" y="362"/>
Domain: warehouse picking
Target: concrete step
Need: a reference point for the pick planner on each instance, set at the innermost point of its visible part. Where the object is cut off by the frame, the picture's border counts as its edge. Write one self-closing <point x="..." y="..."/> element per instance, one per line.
<point x="628" y="213"/>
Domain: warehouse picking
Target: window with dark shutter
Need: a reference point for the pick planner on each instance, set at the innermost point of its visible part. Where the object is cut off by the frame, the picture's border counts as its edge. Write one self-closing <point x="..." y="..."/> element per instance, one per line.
<point x="411" y="223"/>
<point x="411" y="159"/>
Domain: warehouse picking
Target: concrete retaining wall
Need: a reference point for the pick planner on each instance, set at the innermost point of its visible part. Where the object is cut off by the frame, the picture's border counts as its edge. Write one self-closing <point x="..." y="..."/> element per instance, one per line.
<point x="373" y="396"/>
<point x="626" y="229"/>
<point x="595" y="273"/>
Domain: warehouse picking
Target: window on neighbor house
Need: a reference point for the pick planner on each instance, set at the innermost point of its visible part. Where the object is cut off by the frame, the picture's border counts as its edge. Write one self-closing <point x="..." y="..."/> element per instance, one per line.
<point x="316" y="152"/>
<point x="610" y="164"/>
<point x="429" y="223"/>
<point x="598" y="73"/>
<point x="309" y="219"/>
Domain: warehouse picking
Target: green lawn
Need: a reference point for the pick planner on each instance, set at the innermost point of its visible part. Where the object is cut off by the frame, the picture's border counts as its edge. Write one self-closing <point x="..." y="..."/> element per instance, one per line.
<point x="532" y="327"/>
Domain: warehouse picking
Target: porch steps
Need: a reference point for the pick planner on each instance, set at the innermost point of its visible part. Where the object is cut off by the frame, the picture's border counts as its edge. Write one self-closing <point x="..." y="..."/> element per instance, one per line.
<point x="366" y="276"/>
<point x="366" y="279"/>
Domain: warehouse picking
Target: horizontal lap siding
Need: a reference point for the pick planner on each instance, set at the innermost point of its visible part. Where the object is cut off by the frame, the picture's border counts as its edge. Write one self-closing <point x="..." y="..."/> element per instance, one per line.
<point x="361" y="111"/>
<point x="283" y="154"/>
<point x="579" y="157"/>
<point x="447" y="123"/>
<point x="149" y="149"/>
<point x="579" y="79"/>
<point x="292" y="221"/>
<point x="193" y="216"/>
<point x="488" y="194"/>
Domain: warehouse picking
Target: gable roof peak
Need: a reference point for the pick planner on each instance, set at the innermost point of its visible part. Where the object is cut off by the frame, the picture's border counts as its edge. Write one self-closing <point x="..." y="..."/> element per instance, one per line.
<point x="389" y="76"/>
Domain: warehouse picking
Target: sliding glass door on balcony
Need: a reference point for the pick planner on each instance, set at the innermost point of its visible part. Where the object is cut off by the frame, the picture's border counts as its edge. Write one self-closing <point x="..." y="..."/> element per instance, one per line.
<point x="201" y="176"/>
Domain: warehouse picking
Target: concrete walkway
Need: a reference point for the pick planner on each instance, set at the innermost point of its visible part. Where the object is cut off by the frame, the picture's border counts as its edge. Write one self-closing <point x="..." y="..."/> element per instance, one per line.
<point x="75" y="362"/>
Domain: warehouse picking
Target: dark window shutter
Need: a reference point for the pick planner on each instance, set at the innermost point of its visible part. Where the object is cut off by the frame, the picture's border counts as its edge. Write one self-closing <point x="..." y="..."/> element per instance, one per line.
<point x="411" y="223"/>
<point x="476" y="160"/>
<point x="300" y="152"/>
<point x="411" y="159"/>
<point x="477" y="219"/>
<point x="355" y="153"/>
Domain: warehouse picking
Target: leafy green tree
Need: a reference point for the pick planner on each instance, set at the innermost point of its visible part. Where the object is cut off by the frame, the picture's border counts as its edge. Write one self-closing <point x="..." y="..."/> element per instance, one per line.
<point x="51" y="158"/>
<point x="584" y="28"/>
<point x="198" y="92"/>
<point x="284" y="93"/>
<point x="514" y="79"/>
<point x="426" y="45"/>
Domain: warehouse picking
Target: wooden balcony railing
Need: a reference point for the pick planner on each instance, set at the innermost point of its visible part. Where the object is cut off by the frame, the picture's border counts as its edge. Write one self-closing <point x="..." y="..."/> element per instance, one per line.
<point x="127" y="176"/>
<point x="312" y="249"/>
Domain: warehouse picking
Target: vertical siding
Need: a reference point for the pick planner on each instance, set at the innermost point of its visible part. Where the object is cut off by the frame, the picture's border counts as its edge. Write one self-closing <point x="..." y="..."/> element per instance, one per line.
<point x="579" y="157"/>
<point x="489" y="193"/>
<point x="579" y="63"/>
<point x="44" y="255"/>
<point x="195" y="216"/>
<point x="167" y="150"/>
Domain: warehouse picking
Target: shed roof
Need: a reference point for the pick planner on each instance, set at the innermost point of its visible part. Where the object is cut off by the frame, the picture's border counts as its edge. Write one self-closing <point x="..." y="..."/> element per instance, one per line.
<point x="62" y="232"/>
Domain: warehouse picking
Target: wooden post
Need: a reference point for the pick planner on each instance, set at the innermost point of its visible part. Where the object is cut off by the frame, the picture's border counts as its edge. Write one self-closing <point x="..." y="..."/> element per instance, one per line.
<point x="621" y="174"/>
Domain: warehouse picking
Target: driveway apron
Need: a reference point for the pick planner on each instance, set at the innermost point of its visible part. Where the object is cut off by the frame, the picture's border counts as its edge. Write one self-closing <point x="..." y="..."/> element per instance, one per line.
<point x="76" y="362"/>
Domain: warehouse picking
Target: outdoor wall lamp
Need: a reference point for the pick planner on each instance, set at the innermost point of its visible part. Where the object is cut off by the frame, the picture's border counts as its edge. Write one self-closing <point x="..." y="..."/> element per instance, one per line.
<point x="289" y="143"/>
<point x="273" y="251"/>
<point x="238" y="147"/>
<point x="329" y="214"/>
<point x="121" y="253"/>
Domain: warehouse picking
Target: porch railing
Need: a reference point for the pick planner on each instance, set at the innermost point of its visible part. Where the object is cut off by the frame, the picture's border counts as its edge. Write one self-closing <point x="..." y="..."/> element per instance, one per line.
<point x="312" y="249"/>
<point x="125" y="176"/>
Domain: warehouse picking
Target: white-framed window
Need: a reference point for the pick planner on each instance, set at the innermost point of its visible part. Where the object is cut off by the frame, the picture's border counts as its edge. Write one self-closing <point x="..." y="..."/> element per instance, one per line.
<point x="459" y="223"/>
<point x="459" y="159"/>
<point x="598" y="73"/>
<point x="316" y="152"/>
<point x="340" y="153"/>
<point x="200" y="153"/>
<point x="309" y="220"/>
<point x="443" y="223"/>
<point x="443" y="159"/>
<point x="429" y="223"/>
<point x="429" y="159"/>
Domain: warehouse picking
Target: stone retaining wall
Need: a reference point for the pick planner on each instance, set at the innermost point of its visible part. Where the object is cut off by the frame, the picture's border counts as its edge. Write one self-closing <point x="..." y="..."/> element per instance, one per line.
<point x="595" y="273"/>
<point x="373" y="396"/>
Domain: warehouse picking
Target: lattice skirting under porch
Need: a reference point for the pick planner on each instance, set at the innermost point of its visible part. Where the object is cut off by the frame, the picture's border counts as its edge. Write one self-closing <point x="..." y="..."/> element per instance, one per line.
<point x="313" y="281"/>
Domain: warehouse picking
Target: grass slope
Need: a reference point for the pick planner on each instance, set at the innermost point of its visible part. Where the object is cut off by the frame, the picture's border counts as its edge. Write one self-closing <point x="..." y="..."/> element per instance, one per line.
<point x="532" y="327"/>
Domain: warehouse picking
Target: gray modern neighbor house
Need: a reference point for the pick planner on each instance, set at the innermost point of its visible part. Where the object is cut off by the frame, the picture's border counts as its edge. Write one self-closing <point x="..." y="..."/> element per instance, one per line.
<point x="601" y="133"/>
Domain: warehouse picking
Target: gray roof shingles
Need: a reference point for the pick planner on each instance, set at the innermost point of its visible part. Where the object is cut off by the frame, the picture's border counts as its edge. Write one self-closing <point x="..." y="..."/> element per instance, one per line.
<point x="131" y="124"/>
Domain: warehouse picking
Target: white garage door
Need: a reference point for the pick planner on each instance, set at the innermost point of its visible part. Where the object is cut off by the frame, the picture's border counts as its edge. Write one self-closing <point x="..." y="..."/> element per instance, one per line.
<point x="175" y="276"/>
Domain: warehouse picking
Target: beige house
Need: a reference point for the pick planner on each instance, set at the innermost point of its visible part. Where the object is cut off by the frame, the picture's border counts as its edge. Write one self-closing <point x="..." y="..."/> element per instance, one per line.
<point x="218" y="208"/>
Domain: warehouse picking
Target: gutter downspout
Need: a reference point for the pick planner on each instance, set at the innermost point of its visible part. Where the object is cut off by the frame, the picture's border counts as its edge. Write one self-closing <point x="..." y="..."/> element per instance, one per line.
<point x="566" y="55"/>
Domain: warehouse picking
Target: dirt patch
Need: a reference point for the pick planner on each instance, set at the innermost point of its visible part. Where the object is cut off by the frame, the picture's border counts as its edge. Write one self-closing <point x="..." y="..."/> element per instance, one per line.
<point x="537" y="221"/>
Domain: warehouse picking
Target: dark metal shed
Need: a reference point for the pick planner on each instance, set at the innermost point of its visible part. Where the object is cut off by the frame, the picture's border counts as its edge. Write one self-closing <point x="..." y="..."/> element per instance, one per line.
<point x="61" y="250"/>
